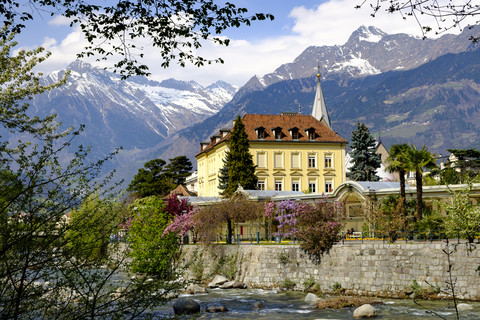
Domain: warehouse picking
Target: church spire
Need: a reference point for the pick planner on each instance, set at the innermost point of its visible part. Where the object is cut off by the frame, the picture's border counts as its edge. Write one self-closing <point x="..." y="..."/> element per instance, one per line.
<point x="319" y="110"/>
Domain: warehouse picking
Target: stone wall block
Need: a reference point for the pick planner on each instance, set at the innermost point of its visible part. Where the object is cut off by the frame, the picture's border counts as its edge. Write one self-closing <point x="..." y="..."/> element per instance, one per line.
<point x="366" y="268"/>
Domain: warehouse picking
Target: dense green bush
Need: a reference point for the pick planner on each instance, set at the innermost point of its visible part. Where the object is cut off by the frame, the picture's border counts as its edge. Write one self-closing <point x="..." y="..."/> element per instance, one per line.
<point x="152" y="253"/>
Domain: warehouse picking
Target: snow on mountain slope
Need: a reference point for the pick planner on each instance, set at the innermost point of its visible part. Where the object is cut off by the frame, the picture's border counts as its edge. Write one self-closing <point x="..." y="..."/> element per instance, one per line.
<point x="368" y="51"/>
<point x="164" y="107"/>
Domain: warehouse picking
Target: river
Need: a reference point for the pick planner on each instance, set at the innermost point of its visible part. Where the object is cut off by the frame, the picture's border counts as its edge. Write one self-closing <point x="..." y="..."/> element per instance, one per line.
<point x="279" y="305"/>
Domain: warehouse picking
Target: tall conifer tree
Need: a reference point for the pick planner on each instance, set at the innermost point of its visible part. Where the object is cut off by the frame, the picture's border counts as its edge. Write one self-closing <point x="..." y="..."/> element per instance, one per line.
<point x="223" y="175"/>
<point x="365" y="160"/>
<point x="241" y="170"/>
<point x="179" y="169"/>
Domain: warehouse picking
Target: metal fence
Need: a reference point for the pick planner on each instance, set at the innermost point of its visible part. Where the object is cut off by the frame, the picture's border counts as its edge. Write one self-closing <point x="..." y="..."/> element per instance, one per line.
<point x="344" y="237"/>
<point x="355" y="237"/>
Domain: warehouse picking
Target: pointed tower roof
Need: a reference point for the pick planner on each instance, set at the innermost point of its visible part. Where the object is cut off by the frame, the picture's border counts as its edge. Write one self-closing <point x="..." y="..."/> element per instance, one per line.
<point x="319" y="110"/>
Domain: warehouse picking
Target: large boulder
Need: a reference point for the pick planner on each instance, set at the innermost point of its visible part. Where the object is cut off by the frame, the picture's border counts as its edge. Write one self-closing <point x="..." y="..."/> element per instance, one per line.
<point x="364" y="311"/>
<point x="311" y="298"/>
<point x="186" y="306"/>
<point x="227" y="285"/>
<point x="214" y="309"/>
<point x="195" y="289"/>
<point x="217" y="281"/>
<point x="258" y="305"/>
<point x="233" y="285"/>
<point x="239" y="285"/>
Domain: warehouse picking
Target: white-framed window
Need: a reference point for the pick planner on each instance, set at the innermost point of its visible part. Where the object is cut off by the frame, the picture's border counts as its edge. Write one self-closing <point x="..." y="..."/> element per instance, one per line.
<point x="296" y="185"/>
<point x="278" y="184"/>
<point x="261" y="133"/>
<point x="261" y="185"/>
<point x="328" y="161"/>
<point x="296" y="161"/>
<point x="328" y="185"/>
<point x="278" y="160"/>
<point x="312" y="160"/>
<point x="278" y="134"/>
<point x="261" y="159"/>
<point x="312" y="185"/>
<point x="295" y="134"/>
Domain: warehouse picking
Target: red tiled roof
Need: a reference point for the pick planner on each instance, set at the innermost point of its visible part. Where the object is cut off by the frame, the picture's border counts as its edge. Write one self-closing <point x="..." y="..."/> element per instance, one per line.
<point x="323" y="134"/>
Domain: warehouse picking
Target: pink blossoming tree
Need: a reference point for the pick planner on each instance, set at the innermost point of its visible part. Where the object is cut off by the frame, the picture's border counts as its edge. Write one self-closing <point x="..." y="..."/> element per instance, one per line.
<point x="182" y="215"/>
<point x="316" y="226"/>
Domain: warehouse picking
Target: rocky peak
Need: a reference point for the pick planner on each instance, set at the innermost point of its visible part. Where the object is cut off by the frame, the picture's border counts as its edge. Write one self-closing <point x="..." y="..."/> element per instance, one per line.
<point x="368" y="34"/>
<point x="191" y="86"/>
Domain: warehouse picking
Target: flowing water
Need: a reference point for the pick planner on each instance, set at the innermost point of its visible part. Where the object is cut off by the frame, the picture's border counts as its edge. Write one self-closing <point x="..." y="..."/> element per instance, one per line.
<point x="280" y="305"/>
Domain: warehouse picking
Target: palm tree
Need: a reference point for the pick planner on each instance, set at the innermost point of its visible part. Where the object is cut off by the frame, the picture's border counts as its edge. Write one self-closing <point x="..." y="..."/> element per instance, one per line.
<point x="418" y="159"/>
<point x="398" y="162"/>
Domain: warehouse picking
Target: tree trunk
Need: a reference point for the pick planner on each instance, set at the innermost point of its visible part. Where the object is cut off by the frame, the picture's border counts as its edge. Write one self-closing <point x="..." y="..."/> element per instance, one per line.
<point x="229" y="231"/>
<point x="403" y="197"/>
<point x="418" y="180"/>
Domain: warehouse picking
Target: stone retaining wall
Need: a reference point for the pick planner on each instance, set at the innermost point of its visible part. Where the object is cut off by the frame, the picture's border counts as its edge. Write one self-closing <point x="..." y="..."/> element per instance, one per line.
<point x="365" y="269"/>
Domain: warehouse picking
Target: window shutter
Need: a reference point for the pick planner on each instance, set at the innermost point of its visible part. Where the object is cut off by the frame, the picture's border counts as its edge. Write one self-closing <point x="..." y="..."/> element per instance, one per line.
<point x="296" y="160"/>
<point x="278" y="160"/>
<point x="262" y="160"/>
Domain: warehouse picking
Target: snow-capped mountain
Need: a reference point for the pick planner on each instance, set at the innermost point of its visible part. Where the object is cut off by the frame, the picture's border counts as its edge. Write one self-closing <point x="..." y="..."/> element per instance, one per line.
<point x="132" y="113"/>
<point x="135" y="114"/>
<point x="368" y="51"/>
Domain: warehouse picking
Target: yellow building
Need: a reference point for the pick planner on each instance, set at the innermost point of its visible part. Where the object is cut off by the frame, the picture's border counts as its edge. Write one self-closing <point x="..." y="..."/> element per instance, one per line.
<point x="292" y="152"/>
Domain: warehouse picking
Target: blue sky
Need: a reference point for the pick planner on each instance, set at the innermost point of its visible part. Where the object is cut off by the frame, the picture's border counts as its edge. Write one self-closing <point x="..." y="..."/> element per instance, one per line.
<point x="255" y="50"/>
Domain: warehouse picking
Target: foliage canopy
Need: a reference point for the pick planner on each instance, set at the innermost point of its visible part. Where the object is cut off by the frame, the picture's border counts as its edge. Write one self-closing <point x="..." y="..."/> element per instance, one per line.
<point x="152" y="252"/>
<point x="210" y="220"/>
<point x="179" y="168"/>
<point x="151" y="180"/>
<point x="92" y="224"/>
<point x="430" y="15"/>
<point x="463" y="218"/>
<point x="117" y="30"/>
<point x="43" y="273"/>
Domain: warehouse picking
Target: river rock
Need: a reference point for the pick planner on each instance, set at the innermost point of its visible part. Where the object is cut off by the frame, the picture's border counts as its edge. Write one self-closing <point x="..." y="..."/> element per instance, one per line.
<point x="214" y="309"/>
<point x="227" y="285"/>
<point x="258" y="305"/>
<point x="464" y="307"/>
<point x="186" y="306"/>
<point x="119" y="292"/>
<point x="195" y="289"/>
<point x="311" y="298"/>
<point x="239" y="285"/>
<point x="364" y="311"/>
<point x="217" y="281"/>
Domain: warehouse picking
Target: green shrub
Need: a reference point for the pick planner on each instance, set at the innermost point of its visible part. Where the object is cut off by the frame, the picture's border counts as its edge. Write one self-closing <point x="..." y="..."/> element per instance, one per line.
<point x="197" y="265"/>
<point x="283" y="259"/>
<point x="152" y="253"/>
<point x="287" y="284"/>
<point x="336" y="286"/>
<point x="308" y="283"/>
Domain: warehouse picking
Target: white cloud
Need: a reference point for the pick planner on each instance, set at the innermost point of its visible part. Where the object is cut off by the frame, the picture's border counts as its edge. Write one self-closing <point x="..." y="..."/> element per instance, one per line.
<point x="59" y="21"/>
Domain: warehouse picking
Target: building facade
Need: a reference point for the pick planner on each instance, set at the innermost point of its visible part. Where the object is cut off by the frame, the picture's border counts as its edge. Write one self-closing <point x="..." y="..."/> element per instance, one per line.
<point x="291" y="151"/>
